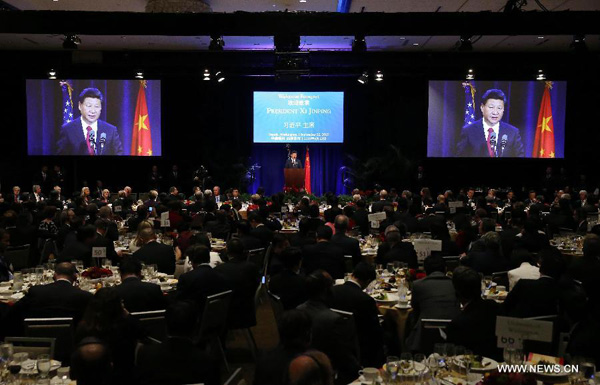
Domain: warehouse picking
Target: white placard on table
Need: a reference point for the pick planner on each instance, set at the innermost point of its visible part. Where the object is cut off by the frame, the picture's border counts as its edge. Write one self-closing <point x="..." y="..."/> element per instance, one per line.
<point x="117" y="209"/>
<point x="424" y="247"/>
<point x="99" y="252"/>
<point x="454" y="205"/>
<point x="510" y="329"/>
<point x="164" y="219"/>
<point x="377" y="217"/>
<point x="374" y="224"/>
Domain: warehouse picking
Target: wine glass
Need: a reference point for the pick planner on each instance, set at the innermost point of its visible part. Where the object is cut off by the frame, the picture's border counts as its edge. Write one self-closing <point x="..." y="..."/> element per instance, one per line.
<point x="391" y="367"/>
<point x="406" y="363"/>
<point x="15" y="365"/>
<point x="459" y="356"/>
<point x="6" y="352"/>
<point x="43" y="365"/>
<point x="433" y="365"/>
<point x="449" y="355"/>
<point x="439" y="351"/>
<point x="379" y="269"/>
<point x="420" y="362"/>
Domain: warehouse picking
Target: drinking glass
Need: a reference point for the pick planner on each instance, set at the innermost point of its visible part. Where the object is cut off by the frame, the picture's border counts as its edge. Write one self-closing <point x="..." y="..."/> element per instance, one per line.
<point x="420" y="362"/>
<point x="487" y="280"/>
<point x="6" y="352"/>
<point x="433" y="365"/>
<point x="459" y="357"/>
<point x="17" y="281"/>
<point x="390" y="268"/>
<point x="587" y="370"/>
<point x="448" y="357"/>
<point x="79" y="266"/>
<point x="439" y="351"/>
<point x="406" y="363"/>
<point x="43" y="365"/>
<point x="379" y="269"/>
<point x="391" y="367"/>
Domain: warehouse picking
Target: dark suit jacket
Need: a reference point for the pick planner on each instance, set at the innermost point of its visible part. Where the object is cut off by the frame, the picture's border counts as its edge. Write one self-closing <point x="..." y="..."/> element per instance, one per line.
<point x="472" y="141"/>
<point x="361" y="217"/>
<point x="324" y="255"/>
<point x="199" y="283"/>
<point x="264" y="234"/>
<point x="176" y="362"/>
<point x="243" y="278"/>
<point x="140" y="296"/>
<point x="250" y="242"/>
<point x="485" y="261"/>
<point x="289" y="164"/>
<point x="349" y="245"/>
<point x="290" y="287"/>
<point x="71" y="140"/>
<point x="155" y="253"/>
<point x="533" y="298"/>
<point x="380" y="205"/>
<point x="350" y="297"/>
<point x="402" y="252"/>
<point x="475" y="328"/>
<point x="78" y="251"/>
<point x="102" y="241"/>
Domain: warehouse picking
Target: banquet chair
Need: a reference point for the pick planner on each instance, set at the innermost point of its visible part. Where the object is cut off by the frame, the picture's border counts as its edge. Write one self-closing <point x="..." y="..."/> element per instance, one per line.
<point x="213" y="324"/>
<point x="257" y="256"/>
<point x="452" y="262"/>
<point x="276" y="306"/>
<point x="18" y="256"/>
<point x="501" y="278"/>
<point x="432" y="333"/>
<point x="59" y="329"/>
<point x="153" y="322"/>
<point x="33" y="346"/>
<point x="236" y="378"/>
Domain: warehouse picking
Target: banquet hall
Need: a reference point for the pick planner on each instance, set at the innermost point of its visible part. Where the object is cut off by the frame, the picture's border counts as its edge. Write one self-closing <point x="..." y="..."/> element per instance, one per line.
<point x="299" y="192"/>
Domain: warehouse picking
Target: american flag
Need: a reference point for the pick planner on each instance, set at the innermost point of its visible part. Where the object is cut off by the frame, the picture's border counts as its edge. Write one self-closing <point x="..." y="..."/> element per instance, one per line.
<point x="67" y="101"/>
<point x="469" y="103"/>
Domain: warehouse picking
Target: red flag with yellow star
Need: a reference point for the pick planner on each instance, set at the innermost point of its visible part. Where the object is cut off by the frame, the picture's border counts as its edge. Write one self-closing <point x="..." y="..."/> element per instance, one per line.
<point x="307" y="172"/>
<point x="141" y="138"/>
<point x="543" y="146"/>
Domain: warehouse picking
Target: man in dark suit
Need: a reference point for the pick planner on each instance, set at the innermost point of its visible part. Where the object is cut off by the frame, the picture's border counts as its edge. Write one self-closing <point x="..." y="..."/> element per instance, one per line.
<point x="349" y="245"/>
<point x="154" y="253"/>
<point x="15" y="197"/>
<point x="394" y="249"/>
<point x="243" y="233"/>
<point x="288" y="284"/>
<point x="243" y="277"/>
<point x="432" y="297"/>
<point x="138" y="295"/>
<point x="259" y="230"/>
<point x="293" y="161"/>
<point x="102" y="241"/>
<point x="174" y="177"/>
<point x="489" y="136"/>
<point x="57" y="299"/>
<point x="89" y="135"/>
<point x="486" y="255"/>
<point x="5" y="270"/>
<point x="350" y="297"/>
<point x="216" y="196"/>
<point x="475" y="326"/>
<point x="586" y="269"/>
<point x="361" y="217"/>
<point x="81" y="248"/>
<point x="381" y="203"/>
<point x="324" y="255"/>
<point x="202" y="281"/>
<point x="177" y="360"/>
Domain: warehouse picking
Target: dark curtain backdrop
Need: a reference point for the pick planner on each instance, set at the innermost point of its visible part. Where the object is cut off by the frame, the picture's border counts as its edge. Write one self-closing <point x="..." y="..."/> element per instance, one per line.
<point x="447" y="108"/>
<point x="45" y="107"/>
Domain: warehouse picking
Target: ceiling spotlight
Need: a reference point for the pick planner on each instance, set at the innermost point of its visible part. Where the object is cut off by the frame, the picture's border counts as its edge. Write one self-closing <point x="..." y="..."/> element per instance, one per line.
<point x="465" y="44"/>
<point x="139" y="74"/>
<point x="52" y="74"/>
<point x="364" y="78"/>
<point x="71" y="41"/>
<point x="378" y="76"/>
<point x="206" y="74"/>
<point x="359" y="44"/>
<point x="541" y="75"/>
<point x="220" y="76"/>
<point x="216" y="43"/>
<point x="470" y="75"/>
<point x="578" y="43"/>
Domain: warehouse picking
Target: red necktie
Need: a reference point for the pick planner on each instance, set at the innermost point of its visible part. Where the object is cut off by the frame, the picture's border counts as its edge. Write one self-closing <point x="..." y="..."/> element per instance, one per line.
<point x="91" y="150"/>
<point x="489" y="144"/>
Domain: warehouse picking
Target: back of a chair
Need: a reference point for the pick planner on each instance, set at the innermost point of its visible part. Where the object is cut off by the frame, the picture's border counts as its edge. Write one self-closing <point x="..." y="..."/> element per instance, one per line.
<point x="434" y="323"/>
<point x="17" y="256"/>
<point x="266" y="262"/>
<point x="501" y="278"/>
<point x="59" y="329"/>
<point x="257" y="256"/>
<point x="236" y="378"/>
<point x="276" y="305"/>
<point x="33" y="346"/>
<point x="452" y="262"/>
<point x="153" y="322"/>
<point x="214" y="317"/>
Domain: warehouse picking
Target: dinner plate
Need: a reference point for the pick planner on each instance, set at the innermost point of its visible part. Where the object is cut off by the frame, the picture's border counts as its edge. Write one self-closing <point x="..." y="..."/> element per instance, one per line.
<point x="413" y="372"/>
<point x="389" y="298"/>
<point x="488" y="364"/>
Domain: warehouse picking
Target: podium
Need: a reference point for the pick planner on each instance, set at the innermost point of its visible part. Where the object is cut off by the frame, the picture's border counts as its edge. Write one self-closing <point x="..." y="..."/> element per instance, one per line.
<point x="294" y="177"/>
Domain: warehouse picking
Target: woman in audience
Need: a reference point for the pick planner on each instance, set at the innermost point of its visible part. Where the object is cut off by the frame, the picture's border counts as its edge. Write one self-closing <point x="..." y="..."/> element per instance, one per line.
<point x="137" y="242"/>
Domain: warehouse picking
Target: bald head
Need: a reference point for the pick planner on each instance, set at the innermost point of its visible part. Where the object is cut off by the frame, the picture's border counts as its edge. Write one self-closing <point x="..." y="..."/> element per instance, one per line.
<point x="341" y="223"/>
<point x="312" y="368"/>
<point x="91" y="363"/>
<point x="65" y="270"/>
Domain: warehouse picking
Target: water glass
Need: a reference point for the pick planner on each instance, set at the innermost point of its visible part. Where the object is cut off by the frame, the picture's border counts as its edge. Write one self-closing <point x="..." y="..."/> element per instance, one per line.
<point x="390" y="268"/>
<point x="406" y="363"/>
<point x="420" y="362"/>
<point x="392" y="366"/>
<point x="6" y="353"/>
<point x="587" y="370"/>
<point x="43" y="365"/>
<point x="440" y="353"/>
<point x="17" y="281"/>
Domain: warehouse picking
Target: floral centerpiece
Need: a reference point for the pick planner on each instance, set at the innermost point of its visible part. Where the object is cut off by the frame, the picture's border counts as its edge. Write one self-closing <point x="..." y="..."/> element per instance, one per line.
<point x="96" y="272"/>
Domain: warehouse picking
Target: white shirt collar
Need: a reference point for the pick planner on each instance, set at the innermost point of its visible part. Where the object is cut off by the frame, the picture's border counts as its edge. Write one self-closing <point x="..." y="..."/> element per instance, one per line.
<point x="495" y="127"/>
<point x="84" y="127"/>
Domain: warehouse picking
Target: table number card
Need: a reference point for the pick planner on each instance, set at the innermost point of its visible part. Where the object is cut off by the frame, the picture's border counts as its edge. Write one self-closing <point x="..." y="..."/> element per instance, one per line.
<point x="164" y="219"/>
<point x="99" y="252"/>
<point x="424" y="247"/>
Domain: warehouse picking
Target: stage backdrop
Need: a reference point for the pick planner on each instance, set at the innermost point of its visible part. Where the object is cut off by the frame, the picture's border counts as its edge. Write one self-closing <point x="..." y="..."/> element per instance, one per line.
<point x="449" y="107"/>
<point x="45" y="111"/>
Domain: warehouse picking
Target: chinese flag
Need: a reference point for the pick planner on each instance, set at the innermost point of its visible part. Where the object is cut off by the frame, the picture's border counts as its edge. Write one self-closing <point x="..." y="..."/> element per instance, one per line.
<point x="141" y="139"/>
<point x="543" y="146"/>
<point x="307" y="172"/>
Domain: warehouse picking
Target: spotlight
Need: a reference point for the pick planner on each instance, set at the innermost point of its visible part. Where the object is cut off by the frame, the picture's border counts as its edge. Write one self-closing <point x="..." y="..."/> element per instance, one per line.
<point x="139" y="74"/>
<point x="52" y="74"/>
<point x="578" y="43"/>
<point x="216" y="43"/>
<point x="541" y="75"/>
<point x="378" y="76"/>
<point x="464" y="43"/>
<point x="364" y="78"/>
<point x="220" y="76"/>
<point x="206" y="74"/>
<point x="359" y="44"/>
<point x="470" y="75"/>
<point x="71" y="41"/>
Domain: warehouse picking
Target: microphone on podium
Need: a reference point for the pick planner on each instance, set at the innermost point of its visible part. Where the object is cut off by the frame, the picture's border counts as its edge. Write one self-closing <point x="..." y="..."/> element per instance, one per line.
<point x="503" y="143"/>
<point x="102" y="142"/>
<point x="493" y="142"/>
<point x="93" y="141"/>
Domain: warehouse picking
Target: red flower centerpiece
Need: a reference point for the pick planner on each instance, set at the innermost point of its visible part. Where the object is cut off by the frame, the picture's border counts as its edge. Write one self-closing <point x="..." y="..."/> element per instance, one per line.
<point x="96" y="272"/>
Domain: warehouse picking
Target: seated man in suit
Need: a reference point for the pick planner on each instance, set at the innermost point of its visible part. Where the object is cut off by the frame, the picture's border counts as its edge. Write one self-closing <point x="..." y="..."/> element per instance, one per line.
<point x="81" y="248"/>
<point x="102" y="241"/>
<point x="137" y="295"/>
<point x="288" y="284"/>
<point x="57" y="299"/>
<point x="259" y="230"/>
<point x="381" y="203"/>
<point x="349" y="245"/>
<point x="489" y="260"/>
<point x="154" y="253"/>
<point x="88" y="135"/>
<point x="350" y="297"/>
<point x="394" y="249"/>
<point x="489" y="136"/>
<point x="586" y="268"/>
<point x="331" y="333"/>
<point x="243" y="277"/>
<point x="475" y="326"/>
<point x="293" y="161"/>
<point x="177" y="360"/>
<point x="243" y="234"/>
<point x="324" y="255"/>
<point x="202" y="281"/>
<point x="432" y="297"/>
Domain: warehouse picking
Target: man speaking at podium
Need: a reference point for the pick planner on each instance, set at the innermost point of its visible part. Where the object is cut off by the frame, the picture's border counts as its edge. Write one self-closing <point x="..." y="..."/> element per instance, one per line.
<point x="293" y="161"/>
<point x="89" y="135"/>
